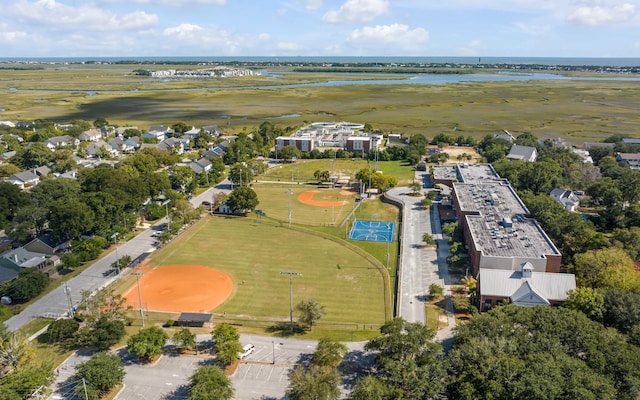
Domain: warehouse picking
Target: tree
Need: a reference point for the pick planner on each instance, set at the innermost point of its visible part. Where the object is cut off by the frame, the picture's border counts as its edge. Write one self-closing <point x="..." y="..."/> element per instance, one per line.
<point x="28" y="284"/>
<point x="427" y="238"/>
<point x="621" y="309"/>
<point x="102" y="372"/>
<point x="606" y="268"/>
<point x="62" y="329"/>
<point x="408" y="361"/>
<point x="16" y="352"/>
<point x="103" y="334"/>
<point x="147" y="343"/>
<point x="226" y="341"/>
<point x="415" y="188"/>
<point x="288" y="153"/>
<point x="22" y="383"/>
<point x="328" y="353"/>
<point x="100" y="122"/>
<point x="210" y="383"/>
<point x="240" y="174"/>
<point x="310" y="311"/>
<point x="321" y="176"/>
<point x="184" y="338"/>
<point x="435" y="290"/>
<point x="242" y="199"/>
<point x="180" y="128"/>
<point x="535" y="352"/>
<point x="588" y="300"/>
<point x="313" y="383"/>
<point x="370" y="388"/>
<point x="426" y="203"/>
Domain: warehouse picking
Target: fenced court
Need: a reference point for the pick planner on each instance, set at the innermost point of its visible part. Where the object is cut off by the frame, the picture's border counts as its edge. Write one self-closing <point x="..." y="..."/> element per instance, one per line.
<point x="373" y="231"/>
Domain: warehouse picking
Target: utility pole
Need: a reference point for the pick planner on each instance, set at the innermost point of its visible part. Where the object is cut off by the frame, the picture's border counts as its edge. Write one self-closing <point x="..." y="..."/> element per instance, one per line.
<point x="115" y="243"/>
<point x="67" y="291"/>
<point x="84" y="386"/>
<point x="290" y="192"/>
<point x="166" y="207"/>
<point x="138" y="274"/>
<point x="291" y="274"/>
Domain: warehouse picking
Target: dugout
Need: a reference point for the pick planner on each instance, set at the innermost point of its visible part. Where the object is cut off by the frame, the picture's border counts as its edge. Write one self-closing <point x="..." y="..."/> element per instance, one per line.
<point x="195" y="320"/>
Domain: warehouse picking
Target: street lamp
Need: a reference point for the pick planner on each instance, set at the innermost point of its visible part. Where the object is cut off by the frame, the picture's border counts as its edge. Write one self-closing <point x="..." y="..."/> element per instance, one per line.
<point x="115" y="238"/>
<point x="291" y="274"/>
<point x="138" y="275"/>
<point x="166" y="206"/>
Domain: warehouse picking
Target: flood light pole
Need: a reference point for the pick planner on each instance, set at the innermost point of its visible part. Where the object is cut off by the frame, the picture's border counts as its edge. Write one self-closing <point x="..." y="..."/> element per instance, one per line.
<point x="138" y="275"/>
<point x="291" y="274"/>
<point x="115" y="237"/>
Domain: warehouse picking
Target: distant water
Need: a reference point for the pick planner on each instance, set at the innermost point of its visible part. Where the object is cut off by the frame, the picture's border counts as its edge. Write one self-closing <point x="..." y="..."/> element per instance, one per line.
<point x="567" y="61"/>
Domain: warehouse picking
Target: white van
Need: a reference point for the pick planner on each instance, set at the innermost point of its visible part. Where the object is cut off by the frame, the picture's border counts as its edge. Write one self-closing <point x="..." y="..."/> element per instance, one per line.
<point x="246" y="350"/>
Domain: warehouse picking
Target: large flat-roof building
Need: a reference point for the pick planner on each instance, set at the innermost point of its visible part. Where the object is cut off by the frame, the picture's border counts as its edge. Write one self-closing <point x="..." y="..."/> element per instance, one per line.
<point x="342" y="135"/>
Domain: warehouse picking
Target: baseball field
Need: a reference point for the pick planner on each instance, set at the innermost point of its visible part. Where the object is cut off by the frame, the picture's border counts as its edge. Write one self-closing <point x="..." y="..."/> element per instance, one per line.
<point x="253" y="255"/>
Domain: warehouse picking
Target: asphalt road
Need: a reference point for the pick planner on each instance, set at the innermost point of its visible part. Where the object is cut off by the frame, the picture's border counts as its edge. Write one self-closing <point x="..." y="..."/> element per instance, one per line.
<point x="56" y="303"/>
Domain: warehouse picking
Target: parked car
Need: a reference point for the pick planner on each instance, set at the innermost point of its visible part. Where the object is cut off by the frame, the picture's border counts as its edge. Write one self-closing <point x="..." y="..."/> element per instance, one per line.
<point x="156" y="234"/>
<point x="206" y="205"/>
<point x="247" y="349"/>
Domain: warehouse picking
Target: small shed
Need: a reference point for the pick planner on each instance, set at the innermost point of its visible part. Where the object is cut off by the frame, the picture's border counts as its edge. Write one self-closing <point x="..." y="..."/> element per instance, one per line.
<point x="195" y="320"/>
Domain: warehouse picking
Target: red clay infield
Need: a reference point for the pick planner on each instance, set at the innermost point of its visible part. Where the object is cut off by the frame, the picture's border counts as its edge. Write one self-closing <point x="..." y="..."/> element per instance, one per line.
<point x="307" y="198"/>
<point x="181" y="288"/>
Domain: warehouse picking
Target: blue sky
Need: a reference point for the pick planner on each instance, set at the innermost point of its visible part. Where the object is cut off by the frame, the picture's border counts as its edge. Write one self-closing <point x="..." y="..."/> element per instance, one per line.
<point x="515" y="28"/>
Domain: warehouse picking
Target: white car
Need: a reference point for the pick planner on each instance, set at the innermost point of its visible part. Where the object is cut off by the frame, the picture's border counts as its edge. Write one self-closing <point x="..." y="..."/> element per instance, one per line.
<point x="246" y="350"/>
<point x="156" y="234"/>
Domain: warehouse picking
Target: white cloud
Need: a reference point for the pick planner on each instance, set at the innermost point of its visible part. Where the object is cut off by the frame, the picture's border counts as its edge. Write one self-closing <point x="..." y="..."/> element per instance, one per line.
<point x="56" y="16"/>
<point x="312" y="4"/>
<point x="288" y="47"/>
<point x="183" y="31"/>
<point x="599" y="15"/>
<point x="354" y="11"/>
<point x="395" y="38"/>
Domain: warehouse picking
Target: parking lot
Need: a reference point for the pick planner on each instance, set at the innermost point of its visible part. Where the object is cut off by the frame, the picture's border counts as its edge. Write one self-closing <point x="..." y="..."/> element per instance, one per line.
<point x="257" y="376"/>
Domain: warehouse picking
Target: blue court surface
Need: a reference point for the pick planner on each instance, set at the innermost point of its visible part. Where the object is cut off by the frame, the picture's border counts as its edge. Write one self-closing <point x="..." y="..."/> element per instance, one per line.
<point x="373" y="231"/>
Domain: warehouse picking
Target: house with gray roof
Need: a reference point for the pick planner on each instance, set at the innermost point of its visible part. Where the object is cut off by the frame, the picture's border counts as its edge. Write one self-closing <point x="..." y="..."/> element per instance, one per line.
<point x="61" y="141"/>
<point x="523" y="153"/>
<point x="158" y="132"/>
<point x="24" y="179"/>
<point x="92" y="135"/>
<point x="7" y="274"/>
<point x="200" y="166"/>
<point x="567" y="198"/>
<point x="631" y="159"/>
<point x="523" y="287"/>
<point x="20" y="258"/>
<point x="45" y="244"/>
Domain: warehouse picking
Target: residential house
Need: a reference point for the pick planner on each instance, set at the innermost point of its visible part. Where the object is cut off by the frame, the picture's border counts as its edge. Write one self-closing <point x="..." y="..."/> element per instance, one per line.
<point x="192" y="133"/>
<point x="69" y="174"/>
<point x="61" y="141"/>
<point x="125" y="145"/>
<point x="121" y="130"/>
<point x="523" y="153"/>
<point x="24" y="179"/>
<point x="7" y="274"/>
<point x="92" y="135"/>
<point x="584" y="154"/>
<point x="158" y="133"/>
<point x="95" y="148"/>
<point x="212" y="130"/>
<point x="631" y="140"/>
<point x="172" y="144"/>
<point x="567" y="198"/>
<point x="45" y="244"/>
<point x="200" y="166"/>
<point x="7" y="155"/>
<point x="631" y="159"/>
<point x="20" y="258"/>
<point x="42" y="171"/>
<point x="8" y="123"/>
<point x="588" y="145"/>
<point x="523" y="287"/>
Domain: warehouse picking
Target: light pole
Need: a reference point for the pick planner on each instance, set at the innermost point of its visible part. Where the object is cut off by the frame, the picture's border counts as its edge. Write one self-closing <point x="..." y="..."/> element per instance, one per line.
<point x="166" y="206"/>
<point x="115" y="238"/>
<point x="273" y="347"/>
<point x="291" y="274"/>
<point x="138" y="275"/>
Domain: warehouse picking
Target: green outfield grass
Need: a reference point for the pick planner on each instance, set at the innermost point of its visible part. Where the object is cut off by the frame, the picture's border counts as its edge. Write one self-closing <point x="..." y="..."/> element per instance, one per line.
<point x="274" y="202"/>
<point x="302" y="170"/>
<point x="348" y="284"/>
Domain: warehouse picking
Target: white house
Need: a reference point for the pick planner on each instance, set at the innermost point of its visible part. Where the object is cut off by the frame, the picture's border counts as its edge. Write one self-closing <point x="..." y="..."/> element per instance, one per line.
<point x="92" y="135"/>
<point x="60" y="141"/>
<point x="567" y="198"/>
<point x="24" y="179"/>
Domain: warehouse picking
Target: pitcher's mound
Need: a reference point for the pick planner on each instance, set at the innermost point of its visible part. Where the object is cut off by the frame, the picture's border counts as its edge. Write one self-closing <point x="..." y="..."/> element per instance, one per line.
<point x="181" y="288"/>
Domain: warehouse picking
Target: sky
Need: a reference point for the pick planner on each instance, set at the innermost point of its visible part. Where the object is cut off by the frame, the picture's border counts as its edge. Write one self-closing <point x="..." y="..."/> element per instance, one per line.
<point x="278" y="28"/>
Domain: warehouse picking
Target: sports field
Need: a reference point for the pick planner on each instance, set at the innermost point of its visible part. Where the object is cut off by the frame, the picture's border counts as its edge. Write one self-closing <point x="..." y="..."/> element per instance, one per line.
<point x="253" y="254"/>
<point x="302" y="170"/>
<point x="309" y="206"/>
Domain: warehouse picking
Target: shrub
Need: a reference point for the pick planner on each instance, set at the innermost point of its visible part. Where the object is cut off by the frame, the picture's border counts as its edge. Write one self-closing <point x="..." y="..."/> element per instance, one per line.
<point x="435" y="290"/>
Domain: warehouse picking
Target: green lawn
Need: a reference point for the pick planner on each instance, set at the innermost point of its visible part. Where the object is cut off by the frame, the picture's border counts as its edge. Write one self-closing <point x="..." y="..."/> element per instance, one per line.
<point x="350" y="286"/>
<point x="274" y="201"/>
<point x="302" y="170"/>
